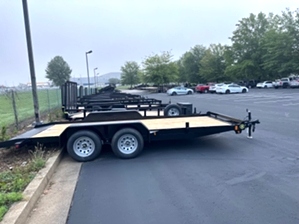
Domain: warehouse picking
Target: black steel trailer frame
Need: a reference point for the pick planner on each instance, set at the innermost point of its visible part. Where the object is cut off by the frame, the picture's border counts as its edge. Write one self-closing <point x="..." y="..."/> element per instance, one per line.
<point x="126" y="132"/>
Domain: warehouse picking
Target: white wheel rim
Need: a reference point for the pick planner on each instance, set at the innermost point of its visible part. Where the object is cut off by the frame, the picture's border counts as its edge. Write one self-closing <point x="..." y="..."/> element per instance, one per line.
<point x="173" y="112"/>
<point x="127" y="144"/>
<point x="84" y="146"/>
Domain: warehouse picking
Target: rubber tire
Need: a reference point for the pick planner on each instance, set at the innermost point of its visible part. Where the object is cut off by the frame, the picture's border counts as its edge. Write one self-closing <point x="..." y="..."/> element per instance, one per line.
<point x="169" y="107"/>
<point x="173" y="94"/>
<point x="244" y="91"/>
<point x="89" y="134"/>
<point x="118" y="135"/>
<point x="206" y="91"/>
<point x="189" y="93"/>
<point x="227" y="91"/>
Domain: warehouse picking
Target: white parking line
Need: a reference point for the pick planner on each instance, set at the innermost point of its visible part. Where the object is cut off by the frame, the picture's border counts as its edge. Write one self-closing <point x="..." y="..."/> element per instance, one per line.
<point x="290" y="104"/>
<point x="274" y="101"/>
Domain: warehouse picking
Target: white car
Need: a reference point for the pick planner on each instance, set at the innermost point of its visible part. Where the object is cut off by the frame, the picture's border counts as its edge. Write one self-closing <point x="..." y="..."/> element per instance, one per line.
<point x="179" y="90"/>
<point x="266" y="84"/>
<point x="213" y="87"/>
<point x="294" y="83"/>
<point x="231" y="88"/>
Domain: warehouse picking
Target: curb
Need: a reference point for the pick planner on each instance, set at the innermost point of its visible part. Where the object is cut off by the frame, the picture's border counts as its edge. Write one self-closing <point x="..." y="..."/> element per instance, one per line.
<point x="19" y="211"/>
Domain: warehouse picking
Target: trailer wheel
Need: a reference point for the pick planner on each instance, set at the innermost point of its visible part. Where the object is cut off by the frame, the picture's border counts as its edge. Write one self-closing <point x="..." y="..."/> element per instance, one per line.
<point x="84" y="146"/>
<point x="172" y="110"/>
<point x="127" y="143"/>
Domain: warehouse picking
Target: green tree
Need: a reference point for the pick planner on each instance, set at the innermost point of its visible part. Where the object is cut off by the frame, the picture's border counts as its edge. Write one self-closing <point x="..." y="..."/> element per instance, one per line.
<point x="160" y="69"/>
<point x="130" y="73"/>
<point x="189" y="65"/>
<point x="246" y="50"/>
<point x="213" y="64"/>
<point x="58" y="71"/>
<point x="281" y="45"/>
<point x="114" y="81"/>
<point x="182" y="77"/>
<point x="278" y="59"/>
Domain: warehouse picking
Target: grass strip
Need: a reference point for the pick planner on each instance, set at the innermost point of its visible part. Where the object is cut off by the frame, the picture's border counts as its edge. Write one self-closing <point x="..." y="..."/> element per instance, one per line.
<point x="14" y="182"/>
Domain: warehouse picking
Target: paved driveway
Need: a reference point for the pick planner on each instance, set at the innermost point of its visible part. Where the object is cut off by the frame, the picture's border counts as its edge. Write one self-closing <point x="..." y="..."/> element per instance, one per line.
<point x="224" y="178"/>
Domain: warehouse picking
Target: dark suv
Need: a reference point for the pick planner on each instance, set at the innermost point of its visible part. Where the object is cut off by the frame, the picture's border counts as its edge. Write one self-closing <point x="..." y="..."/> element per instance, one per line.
<point x="249" y="84"/>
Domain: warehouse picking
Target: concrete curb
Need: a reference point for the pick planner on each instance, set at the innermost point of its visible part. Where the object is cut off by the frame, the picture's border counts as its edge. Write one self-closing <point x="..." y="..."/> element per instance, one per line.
<point x="19" y="212"/>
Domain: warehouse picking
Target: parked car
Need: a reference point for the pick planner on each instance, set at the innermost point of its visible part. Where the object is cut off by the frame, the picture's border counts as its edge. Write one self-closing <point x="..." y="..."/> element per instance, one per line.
<point x="251" y="84"/>
<point x="266" y="84"/>
<point x="248" y="83"/>
<point x="294" y="83"/>
<point x="213" y="87"/>
<point x="231" y="88"/>
<point x="179" y="90"/>
<point x="202" y="88"/>
<point x="282" y="83"/>
<point x="277" y="84"/>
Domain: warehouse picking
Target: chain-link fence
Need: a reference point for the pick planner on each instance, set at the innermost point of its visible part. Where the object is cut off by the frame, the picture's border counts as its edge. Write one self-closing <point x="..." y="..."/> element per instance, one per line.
<point x="17" y="105"/>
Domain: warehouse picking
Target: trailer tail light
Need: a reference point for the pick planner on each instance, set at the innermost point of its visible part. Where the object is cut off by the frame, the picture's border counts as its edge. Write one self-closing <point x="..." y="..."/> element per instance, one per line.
<point x="237" y="130"/>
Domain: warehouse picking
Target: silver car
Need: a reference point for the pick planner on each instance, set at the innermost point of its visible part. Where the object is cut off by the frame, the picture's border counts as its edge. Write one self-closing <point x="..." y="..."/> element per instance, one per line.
<point x="180" y="90"/>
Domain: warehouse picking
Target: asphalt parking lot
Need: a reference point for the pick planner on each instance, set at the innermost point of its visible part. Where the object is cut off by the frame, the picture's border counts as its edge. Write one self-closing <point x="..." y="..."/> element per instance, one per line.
<point x="223" y="178"/>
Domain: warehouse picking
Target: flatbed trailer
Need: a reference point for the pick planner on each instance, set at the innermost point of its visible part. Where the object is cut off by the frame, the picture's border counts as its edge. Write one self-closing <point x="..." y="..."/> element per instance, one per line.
<point x="126" y="132"/>
<point x="180" y="108"/>
<point x="74" y="102"/>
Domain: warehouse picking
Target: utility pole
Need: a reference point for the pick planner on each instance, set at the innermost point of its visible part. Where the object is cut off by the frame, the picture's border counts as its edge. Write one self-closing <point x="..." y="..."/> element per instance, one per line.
<point x="31" y="63"/>
<point x="94" y="77"/>
<point x="86" y="53"/>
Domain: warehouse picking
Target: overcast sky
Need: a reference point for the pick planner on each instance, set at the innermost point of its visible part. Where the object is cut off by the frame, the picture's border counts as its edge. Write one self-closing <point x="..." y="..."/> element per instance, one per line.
<point x="115" y="30"/>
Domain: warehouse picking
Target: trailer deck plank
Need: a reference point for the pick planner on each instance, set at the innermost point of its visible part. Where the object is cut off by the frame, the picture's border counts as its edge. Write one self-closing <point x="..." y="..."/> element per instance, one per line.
<point x="180" y="122"/>
<point x="53" y="131"/>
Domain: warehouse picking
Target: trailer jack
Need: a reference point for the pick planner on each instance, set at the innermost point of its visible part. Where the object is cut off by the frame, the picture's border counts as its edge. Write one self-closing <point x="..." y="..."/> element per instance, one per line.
<point x="250" y="124"/>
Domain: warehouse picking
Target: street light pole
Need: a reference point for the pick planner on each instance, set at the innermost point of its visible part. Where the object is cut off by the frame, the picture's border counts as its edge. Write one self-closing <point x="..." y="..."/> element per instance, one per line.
<point x="31" y="63"/>
<point x="97" y="78"/>
<point x="94" y="72"/>
<point x="86" y="53"/>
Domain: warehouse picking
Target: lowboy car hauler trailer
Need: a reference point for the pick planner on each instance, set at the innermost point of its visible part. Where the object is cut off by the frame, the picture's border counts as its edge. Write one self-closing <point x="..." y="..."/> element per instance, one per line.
<point x="127" y="131"/>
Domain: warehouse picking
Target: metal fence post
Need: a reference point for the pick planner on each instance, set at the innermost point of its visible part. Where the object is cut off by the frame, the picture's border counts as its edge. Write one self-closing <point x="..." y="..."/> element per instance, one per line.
<point x="14" y="106"/>
<point x="49" y="106"/>
<point x="57" y="94"/>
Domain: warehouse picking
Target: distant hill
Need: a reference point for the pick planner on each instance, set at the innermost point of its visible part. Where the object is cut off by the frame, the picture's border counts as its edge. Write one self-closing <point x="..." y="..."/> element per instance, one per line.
<point x="101" y="80"/>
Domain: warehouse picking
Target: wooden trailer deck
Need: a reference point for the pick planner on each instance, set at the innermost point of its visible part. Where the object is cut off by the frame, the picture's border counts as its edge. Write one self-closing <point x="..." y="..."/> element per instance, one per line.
<point x="151" y="124"/>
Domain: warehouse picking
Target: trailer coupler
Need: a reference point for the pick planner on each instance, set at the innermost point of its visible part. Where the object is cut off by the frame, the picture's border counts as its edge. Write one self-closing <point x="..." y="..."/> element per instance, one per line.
<point x="247" y="124"/>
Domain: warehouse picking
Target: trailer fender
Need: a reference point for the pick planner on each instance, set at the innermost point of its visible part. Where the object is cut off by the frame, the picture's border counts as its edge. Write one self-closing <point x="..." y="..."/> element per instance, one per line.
<point x="127" y="143"/>
<point x="84" y="145"/>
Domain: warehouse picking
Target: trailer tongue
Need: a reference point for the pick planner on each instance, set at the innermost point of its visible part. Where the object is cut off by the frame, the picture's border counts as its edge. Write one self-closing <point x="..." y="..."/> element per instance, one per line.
<point x="126" y="131"/>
